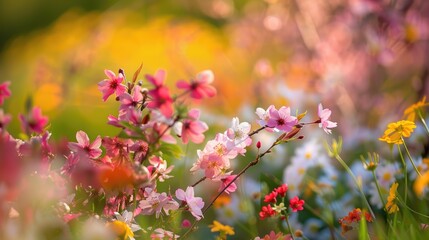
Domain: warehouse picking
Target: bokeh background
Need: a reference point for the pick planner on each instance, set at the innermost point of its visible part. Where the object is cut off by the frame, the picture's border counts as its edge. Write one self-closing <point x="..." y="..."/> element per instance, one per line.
<point x="366" y="60"/>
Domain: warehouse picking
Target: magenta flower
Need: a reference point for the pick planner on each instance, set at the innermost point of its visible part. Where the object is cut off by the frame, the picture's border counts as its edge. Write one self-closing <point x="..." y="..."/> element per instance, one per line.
<point x="324" y="115"/>
<point x="34" y="122"/>
<point x="296" y="204"/>
<point x="158" y="79"/>
<point x="200" y="87"/>
<point x="84" y="147"/>
<point x="195" y="204"/>
<point x="191" y="128"/>
<point x="225" y="181"/>
<point x="4" y="119"/>
<point x="4" y="91"/>
<point x="132" y="100"/>
<point x="111" y="85"/>
<point x="281" y="119"/>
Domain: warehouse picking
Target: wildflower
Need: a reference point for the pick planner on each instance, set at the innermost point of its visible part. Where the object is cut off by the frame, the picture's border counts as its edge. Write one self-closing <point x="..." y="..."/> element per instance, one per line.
<point x="411" y="111"/>
<point x="271" y="197"/>
<point x="353" y="216"/>
<point x="4" y="91"/>
<point x="124" y="225"/>
<point x="391" y="206"/>
<point x="132" y="100"/>
<point x="296" y="204"/>
<point x="156" y="202"/>
<point x="396" y="131"/>
<point x="161" y="234"/>
<point x="281" y="119"/>
<point x="266" y="211"/>
<point x="191" y="128"/>
<point x="112" y="85"/>
<point x="200" y="87"/>
<point x="279" y="208"/>
<point x="421" y="183"/>
<point x="4" y="119"/>
<point x="239" y="132"/>
<point x="224" y="229"/>
<point x="195" y="204"/>
<point x="273" y="235"/>
<point x="34" y="121"/>
<point x="84" y="147"/>
<point x="324" y="115"/>
<point x="282" y="190"/>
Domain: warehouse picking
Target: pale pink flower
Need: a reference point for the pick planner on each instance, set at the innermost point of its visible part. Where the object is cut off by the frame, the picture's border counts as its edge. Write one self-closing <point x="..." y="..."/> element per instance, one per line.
<point x="156" y="202"/>
<point x="212" y="164"/>
<point x="112" y="85"/>
<point x="191" y="128"/>
<point x="200" y="87"/>
<point x="281" y="119"/>
<point x="225" y="181"/>
<point x="161" y="170"/>
<point x="161" y="234"/>
<point x="239" y="132"/>
<point x="131" y="100"/>
<point x="34" y="121"/>
<point x="84" y="147"/>
<point x="324" y="115"/>
<point x="4" y="91"/>
<point x="4" y="119"/>
<point x="263" y="115"/>
<point x="195" y="204"/>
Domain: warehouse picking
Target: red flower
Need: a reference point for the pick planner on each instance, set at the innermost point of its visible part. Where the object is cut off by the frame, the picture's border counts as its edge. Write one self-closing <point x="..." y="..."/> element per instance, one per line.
<point x="271" y="197"/>
<point x="200" y="87"/>
<point x="267" y="211"/>
<point x="4" y="91"/>
<point x="296" y="204"/>
<point x="34" y="122"/>
<point x="282" y="190"/>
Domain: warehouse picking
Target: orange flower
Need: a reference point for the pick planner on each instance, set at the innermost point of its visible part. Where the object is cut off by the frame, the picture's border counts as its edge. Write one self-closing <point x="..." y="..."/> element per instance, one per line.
<point x="411" y="111"/>
<point x="396" y="131"/>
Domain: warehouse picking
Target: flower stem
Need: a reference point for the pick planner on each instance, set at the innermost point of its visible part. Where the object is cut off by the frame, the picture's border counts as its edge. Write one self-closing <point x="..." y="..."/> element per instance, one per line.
<point x="405" y="173"/>
<point x="349" y="171"/>
<point x="423" y="121"/>
<point x="411" y="159"/>
<point x="289" y="227"/>
<point x="378" y="188"/>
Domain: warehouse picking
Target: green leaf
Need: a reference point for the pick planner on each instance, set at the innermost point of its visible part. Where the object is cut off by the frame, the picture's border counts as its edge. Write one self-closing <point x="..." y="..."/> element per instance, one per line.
<point x="169" y="151"/>
<point x="363" y="229"/>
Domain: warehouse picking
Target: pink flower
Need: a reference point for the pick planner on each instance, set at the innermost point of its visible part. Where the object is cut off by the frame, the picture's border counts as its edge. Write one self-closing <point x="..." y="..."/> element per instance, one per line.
<point x="132" y="100"/>
<point x="212" y="164"/>
<point x="296" y="204"/>
<point x="111" y="85"/>
<point x="158" y="79"/>
<point x="162" y="101"/>
<point x="186" y="223"/>
<point x="324" y="115"/>
<point x="84" y="147"/>
<point x="161" y="234"/>
<point x="266" y="211"/>
<point x="140" y="149"/>
<point x="281" y="119"/>
<point x="271" y="197"/>
<point x="4" y="91"/>
<point x="4" y="119"/>
<point x="34" y="122"/>
<point x="225" y="181"/>
<point x="282" y="190"/>
<point x="195" y="204"/>
<point x="156" y="202"/>
<point x="117" y="147"/>
<point x="200" y="87"/>
<point x="191" y="128"/>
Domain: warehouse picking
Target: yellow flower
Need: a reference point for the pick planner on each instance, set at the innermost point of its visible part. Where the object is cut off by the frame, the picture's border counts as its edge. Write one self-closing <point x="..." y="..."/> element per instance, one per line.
<point x="121" y="229"/>
<point x="397" y="130"/>
<point x="391" y="206"/>
<point x="420" y="183"/>
<point x="410" y="112"/>
<point x="219" y="227"/>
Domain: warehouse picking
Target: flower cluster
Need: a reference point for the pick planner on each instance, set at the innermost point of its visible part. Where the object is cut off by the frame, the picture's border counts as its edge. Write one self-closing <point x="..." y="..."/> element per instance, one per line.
<point x="354" y="217"/>
<point x="280" y="209"/>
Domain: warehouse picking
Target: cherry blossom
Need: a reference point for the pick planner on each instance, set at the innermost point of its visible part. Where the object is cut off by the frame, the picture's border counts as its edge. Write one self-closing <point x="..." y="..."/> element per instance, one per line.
<point x="4" y="91"/>
<point x="34" y="121"/>
<point x="84" y="147"/>
<point x="112" y="85"/>
<point x="156" y="202"/>
<point x="281" y="119"/>
<point x="324" y="115"/>
<point x="191" y="128"/>
<point x="200" y="87"/>
<point x="195" y="204"/>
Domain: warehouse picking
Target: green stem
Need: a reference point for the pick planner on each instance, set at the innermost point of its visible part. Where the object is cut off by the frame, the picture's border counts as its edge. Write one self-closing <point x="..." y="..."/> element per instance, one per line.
<point x="349" y="171"/>
<point x="405" y="173"/>
<point x="423" y="121"/>
<point x="411" y="159"/>
<point x="289" y="227"/>
<point x="378" y="188"/>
